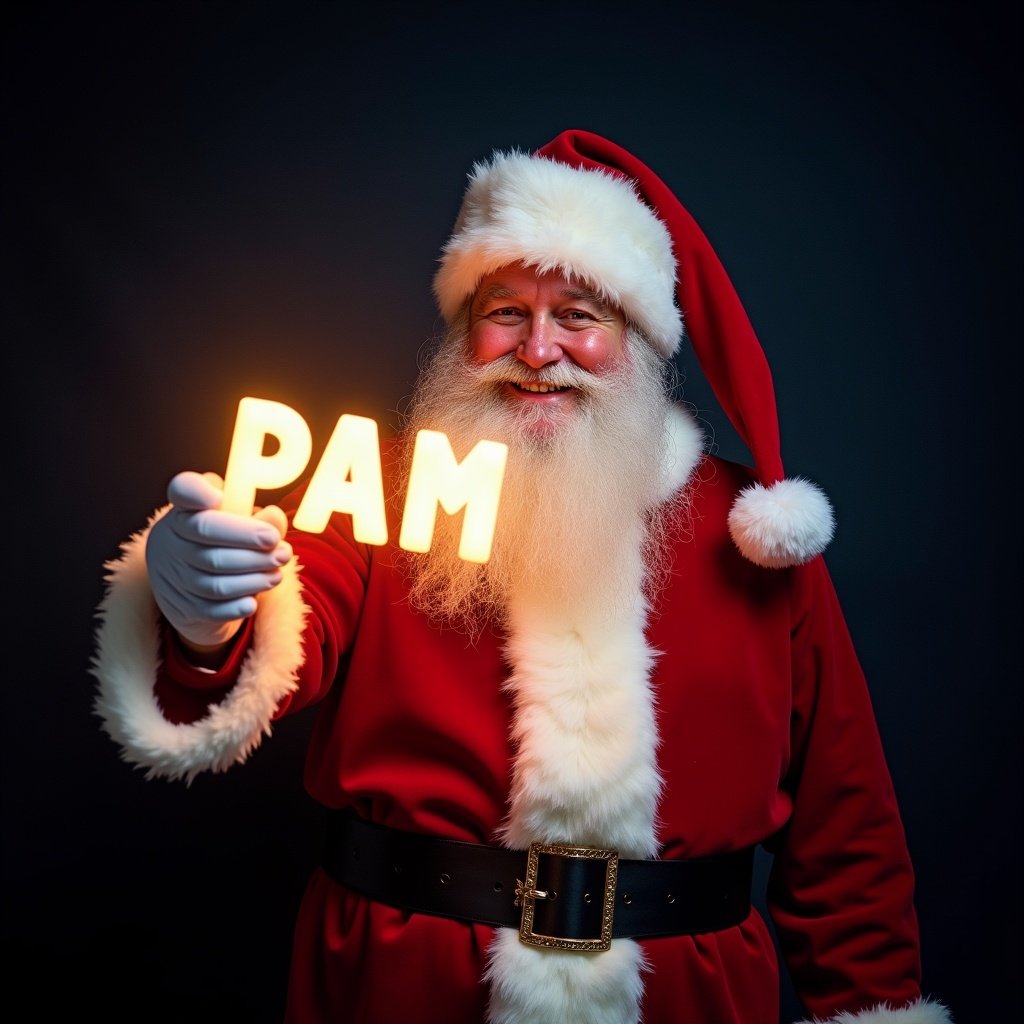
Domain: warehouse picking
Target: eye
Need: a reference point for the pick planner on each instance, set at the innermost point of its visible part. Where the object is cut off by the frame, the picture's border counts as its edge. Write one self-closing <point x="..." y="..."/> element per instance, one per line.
<point x="574" y="317"/>
<point x="504" y="315"/>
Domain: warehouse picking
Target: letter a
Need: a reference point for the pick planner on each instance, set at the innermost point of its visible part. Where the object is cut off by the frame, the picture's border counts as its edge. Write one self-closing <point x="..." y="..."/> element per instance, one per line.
<point x="348" y="479"/>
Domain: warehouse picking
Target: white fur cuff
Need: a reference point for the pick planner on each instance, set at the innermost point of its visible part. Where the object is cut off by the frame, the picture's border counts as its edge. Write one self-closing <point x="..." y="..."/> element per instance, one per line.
<point x="128" y="656"/>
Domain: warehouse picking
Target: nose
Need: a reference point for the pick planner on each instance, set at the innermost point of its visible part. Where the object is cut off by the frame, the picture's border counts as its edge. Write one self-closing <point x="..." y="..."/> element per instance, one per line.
<point x="539" y="348"/>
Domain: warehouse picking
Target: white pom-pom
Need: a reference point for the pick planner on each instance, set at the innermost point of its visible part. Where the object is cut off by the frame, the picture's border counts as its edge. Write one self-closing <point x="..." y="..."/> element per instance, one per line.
<point x="785" y="524"/>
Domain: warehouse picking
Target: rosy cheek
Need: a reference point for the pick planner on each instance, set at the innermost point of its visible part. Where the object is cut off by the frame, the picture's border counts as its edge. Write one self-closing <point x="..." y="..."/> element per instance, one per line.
<point x="593" y="352"/>
<point x="488" y="342"/>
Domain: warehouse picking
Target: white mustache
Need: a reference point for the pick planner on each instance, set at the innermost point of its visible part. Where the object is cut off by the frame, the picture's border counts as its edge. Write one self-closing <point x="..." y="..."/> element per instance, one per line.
<point x="509" y="370"/>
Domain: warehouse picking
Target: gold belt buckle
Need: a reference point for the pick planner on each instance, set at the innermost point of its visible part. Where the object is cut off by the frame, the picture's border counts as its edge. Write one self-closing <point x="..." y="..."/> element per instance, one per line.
<point x="527" y="895"/>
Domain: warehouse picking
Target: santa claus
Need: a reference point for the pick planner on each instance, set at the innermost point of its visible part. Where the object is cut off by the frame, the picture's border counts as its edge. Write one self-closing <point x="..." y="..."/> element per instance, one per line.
<point x="548" y="774"/>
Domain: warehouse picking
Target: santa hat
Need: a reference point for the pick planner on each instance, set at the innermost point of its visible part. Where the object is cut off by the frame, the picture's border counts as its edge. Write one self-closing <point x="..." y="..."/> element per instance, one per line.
<point x="586" y="207"/>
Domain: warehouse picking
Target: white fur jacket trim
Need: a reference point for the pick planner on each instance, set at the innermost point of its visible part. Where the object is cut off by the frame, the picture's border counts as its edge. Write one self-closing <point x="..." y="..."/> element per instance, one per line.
<point x="585" y="769"/>
<point x="585" y="773"/>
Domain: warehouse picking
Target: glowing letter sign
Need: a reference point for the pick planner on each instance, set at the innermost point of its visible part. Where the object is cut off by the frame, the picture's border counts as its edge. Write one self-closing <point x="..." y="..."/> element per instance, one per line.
<point x="348" y="478"/>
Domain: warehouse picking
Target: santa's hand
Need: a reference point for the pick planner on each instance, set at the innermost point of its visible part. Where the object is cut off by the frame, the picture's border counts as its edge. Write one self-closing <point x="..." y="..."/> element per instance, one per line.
<point x="206" y="567"/>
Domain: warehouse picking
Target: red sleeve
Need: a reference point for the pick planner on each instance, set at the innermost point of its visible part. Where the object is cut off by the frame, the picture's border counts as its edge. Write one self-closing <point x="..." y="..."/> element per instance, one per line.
<point x="841" y="887"/>
<point x="185" y="692"/>
<point x="333" y="569"/>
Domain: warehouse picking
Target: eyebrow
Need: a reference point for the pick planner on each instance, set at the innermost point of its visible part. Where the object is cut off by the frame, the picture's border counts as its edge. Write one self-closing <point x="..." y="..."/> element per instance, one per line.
<point x="580" y="294"/>
<point x="496" y="291"/>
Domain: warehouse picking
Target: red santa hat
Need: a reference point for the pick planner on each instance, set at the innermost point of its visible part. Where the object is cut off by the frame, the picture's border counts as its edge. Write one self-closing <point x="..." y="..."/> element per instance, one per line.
<point x="586" y="207"/>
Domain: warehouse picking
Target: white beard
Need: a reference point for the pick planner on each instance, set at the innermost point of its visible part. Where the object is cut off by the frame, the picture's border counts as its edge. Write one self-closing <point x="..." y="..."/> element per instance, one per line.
<point x="574" y="493"/>
<point x="578" y="548"/>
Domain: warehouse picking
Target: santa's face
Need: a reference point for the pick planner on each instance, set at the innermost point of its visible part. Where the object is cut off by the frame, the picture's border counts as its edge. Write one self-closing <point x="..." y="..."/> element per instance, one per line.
<point x="550" y="327"/>
<point x="586" y="458"/>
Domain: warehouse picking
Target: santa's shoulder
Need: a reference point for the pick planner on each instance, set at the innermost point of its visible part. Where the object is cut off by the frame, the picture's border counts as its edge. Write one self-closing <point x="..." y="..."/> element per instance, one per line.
<point x="775" y="525"/>
<point x="691" y="469"/>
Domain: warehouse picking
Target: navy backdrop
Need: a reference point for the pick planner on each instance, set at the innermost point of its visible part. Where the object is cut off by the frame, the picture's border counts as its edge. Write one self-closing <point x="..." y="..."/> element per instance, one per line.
<point x="208" y="200"/>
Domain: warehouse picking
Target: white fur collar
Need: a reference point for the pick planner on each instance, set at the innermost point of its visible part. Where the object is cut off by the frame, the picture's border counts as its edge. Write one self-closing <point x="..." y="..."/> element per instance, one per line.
<point x="585" y="769"/>
<point x="685" y="448"/>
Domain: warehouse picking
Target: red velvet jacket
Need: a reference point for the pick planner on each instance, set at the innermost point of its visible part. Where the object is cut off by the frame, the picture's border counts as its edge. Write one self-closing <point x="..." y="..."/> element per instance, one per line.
<point x="767" y="736"/>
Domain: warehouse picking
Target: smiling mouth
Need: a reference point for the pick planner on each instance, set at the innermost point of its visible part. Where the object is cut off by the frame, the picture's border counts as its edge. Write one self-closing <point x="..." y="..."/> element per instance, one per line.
<point x="540" y="388"/>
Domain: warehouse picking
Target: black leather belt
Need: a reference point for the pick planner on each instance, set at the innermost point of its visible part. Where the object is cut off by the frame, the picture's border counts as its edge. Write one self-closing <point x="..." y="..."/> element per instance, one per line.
<point x="555" y="895"/>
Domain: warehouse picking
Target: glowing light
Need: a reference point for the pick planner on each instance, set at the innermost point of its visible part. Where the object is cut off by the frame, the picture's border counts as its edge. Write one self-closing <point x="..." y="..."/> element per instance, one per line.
<point x="248" y="469"/>
<point x="437" y="478"/>
<point x="348" y="478"/>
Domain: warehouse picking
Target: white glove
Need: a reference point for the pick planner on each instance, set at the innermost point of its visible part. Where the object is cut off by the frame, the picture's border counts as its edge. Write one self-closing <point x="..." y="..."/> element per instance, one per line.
<point x="206" y="567"/>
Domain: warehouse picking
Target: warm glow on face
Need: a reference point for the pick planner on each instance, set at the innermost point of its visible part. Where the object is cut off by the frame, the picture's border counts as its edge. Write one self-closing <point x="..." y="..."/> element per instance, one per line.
<point x="348" y="478"/>
<point x="437" y="479"/>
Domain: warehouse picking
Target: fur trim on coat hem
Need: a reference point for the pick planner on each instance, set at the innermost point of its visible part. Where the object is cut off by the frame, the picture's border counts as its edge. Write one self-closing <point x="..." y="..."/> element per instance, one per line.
<point x="924" y="1011"/>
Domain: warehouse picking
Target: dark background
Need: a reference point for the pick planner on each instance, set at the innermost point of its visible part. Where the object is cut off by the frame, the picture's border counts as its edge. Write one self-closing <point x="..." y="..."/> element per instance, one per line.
<point x="204" y="201"/>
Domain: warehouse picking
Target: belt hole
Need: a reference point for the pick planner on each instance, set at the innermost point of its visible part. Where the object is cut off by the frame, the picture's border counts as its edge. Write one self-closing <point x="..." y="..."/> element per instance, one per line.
<point x="587" y="898"/>
<point x="498" y="887"/>
<point x="445" y="879"/>
<point x="627" y="899"/>
<point x="670" y="898"/>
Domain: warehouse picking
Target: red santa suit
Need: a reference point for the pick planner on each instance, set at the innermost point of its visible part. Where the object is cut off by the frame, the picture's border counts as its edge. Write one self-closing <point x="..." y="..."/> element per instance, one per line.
<point x="729" y="711"/>
<point x="766" y="737"/>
